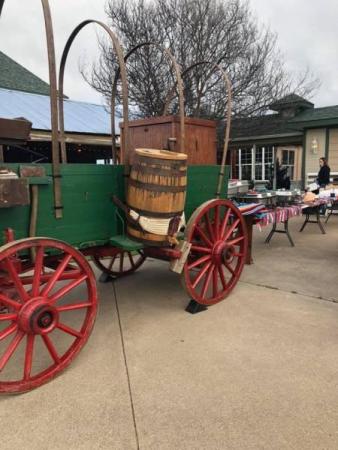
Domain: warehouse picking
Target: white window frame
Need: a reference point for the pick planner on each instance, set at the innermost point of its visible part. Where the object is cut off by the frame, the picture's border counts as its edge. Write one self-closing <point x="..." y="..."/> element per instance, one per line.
<point x="292" y="178"/>
<point x="253" y="162"/>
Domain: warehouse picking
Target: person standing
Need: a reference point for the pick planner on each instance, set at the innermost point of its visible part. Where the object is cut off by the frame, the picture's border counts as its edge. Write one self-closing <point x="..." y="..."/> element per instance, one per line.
<point x="323" y="177"/>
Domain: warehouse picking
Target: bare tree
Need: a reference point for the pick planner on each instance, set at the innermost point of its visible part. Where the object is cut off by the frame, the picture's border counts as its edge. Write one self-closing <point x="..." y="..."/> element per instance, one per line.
<point x="222" y="31"/>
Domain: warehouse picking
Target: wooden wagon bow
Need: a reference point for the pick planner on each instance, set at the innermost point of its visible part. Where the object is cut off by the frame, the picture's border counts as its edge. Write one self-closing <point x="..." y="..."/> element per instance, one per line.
<point x="122" y="71"/>
<point x="228" y="85"/>
<point x="53" y="106"/>
<point x="179" y="84"/>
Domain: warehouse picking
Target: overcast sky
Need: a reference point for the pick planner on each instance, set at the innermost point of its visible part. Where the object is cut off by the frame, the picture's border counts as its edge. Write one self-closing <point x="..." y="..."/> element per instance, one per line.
<point x="307" y="30"/>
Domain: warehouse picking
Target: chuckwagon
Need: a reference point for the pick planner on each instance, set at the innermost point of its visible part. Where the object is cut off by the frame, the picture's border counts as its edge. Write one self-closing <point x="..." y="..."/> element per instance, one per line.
<point x="48" y="293"/>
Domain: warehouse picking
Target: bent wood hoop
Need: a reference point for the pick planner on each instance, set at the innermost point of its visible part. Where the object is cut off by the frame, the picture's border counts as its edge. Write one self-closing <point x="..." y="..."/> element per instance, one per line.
<point x="179" y="83"/>
<point x="228" y="86"/>
<point x="122" y="71"/>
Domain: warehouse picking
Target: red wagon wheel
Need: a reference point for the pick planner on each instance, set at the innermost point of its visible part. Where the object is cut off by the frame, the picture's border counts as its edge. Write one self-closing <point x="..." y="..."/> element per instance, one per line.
<point x="120" y="263"/>
<point x="219" y="241"/>
<point x="48" y="313"/>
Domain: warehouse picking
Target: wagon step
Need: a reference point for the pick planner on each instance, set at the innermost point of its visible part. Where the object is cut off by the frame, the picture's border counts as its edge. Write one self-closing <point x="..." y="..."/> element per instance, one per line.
<point x="125" y="243"/>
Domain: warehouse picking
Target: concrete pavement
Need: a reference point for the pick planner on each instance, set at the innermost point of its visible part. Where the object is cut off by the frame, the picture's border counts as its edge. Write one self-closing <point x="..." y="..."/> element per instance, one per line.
<point x="257" y="371"/>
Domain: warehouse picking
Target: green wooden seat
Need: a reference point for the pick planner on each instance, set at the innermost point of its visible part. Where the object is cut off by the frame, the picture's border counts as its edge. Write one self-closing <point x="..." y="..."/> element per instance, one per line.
<point x="125" y="243"/>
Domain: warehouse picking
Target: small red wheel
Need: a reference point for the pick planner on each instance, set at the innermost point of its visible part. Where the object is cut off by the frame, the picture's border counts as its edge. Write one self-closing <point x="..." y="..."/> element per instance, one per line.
<point x="120" y="262"/>
<point x="219" y="241"/>
<point x="50" y="312"/>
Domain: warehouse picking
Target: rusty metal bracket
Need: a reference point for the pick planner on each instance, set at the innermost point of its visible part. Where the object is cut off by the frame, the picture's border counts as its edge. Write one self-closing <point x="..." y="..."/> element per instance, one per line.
<point x="122" y="70"/>
<point x="228" y="86"/>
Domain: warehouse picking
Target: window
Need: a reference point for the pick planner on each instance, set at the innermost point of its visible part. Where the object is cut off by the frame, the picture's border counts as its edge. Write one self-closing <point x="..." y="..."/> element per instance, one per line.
<point x="246" y="164"/>
<point x="268" y="163"/>
<point x="259" y="157"/>
<point x="242" y="170"/>
<point x="104" y="161"/>
<point x="288" y="160"/>
<point x="254" y="163"/>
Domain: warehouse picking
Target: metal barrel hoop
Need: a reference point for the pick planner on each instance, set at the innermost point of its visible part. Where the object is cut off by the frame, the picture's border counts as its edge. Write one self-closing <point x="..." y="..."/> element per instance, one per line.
<point x="179" y="83"/>
<point x="228" y="85"/>
<point x="122" y="70"/>
<point x="53" y="105"/>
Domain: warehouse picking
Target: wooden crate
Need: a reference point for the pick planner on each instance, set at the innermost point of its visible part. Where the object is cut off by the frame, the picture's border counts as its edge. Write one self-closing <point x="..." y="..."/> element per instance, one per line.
<point x="164" y="133"/>
<point x="14" y="130"/>
<point x="14" y="192"/>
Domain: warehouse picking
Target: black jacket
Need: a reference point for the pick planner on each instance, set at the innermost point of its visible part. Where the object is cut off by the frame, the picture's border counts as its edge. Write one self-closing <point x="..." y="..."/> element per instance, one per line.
<point x="324" y="176"/>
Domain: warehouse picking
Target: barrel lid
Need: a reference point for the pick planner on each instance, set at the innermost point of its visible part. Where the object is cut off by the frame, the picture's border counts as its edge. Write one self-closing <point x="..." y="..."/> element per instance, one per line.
<point x="160" y="154"/>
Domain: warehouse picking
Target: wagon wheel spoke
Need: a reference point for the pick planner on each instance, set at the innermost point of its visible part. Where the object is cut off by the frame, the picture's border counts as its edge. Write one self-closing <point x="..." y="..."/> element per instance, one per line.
<point x="230" y="269"/>
<point x="214" y="282"/>
<point x="8" y="331"/>
<point x="69" y="330"/>
<point x="222" y="277"/>
<point x="199" y="249"/>
<point x="207" y="280"/>
<point x="209" y="227"/>
<point x="216" y="222"/>
<point x="121" y="261"/>
<point x="51" y="348"/>
<point x="130" y="256"/>
<point x="9" y="302"/>
<point x="11" y="349"/>
<point x="224" y="223"/>
<point x="55" y="277"/>
<point x="201" y="274"/>
<point x="199" y="261"/>
<point x="236" y="240"/>
<point x="66" y="289"/>
<point x="37" y="271"/>
<point x="29" y="356"/>
<point x="232" y="228"/>
<point x="112" y="262"/>
<point x="74" y="307"/>
<point x="4" y="317"/>
<point x="203" y="236"/>
<point x="16" y="279"/>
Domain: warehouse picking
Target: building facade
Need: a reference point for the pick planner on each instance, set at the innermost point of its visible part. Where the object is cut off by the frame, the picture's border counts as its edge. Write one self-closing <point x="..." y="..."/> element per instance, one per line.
<point x="294" y="137"/>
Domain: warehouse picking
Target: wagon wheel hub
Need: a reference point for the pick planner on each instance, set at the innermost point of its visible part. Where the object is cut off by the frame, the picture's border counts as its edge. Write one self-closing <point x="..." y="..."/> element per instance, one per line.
<point x="223" y="253"/>
<point x="38" y="317"/>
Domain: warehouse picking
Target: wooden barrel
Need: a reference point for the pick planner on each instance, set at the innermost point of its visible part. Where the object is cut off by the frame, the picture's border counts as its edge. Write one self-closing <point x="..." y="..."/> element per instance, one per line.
<point x="156" y="189"/>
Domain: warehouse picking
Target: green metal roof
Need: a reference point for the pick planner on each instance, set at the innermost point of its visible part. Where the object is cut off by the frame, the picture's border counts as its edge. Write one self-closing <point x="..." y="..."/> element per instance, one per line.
<point x="16" y="77"/>
<point x="275" y="126"/>
<point x="318" y="116"/>
<point x="269" y="125"/>
<point x="291" y="100"/>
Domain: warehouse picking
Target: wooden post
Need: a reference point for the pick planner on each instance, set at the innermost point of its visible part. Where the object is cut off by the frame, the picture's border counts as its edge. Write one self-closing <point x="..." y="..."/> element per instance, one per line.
<point x="1" y="154"/>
